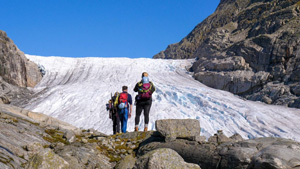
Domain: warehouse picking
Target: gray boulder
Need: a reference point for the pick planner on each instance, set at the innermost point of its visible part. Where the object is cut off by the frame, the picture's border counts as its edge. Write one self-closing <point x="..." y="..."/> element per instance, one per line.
<point x="277" y="156"/>
<point x="80" y="155"/>
<point x="126" y="163"/>
<point x="163" y="158"/>
<point x="236" y="137"/>
<point x="191" y="151"/>
<point x="260" y="153"/>
<point x="178" y="128"/>
<point x="46" y="159"/>
<point x="234" y="152"/>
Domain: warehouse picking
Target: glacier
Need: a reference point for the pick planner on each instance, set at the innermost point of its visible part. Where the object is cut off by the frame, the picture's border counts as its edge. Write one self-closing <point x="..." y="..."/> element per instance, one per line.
<point x="75" y="90"/>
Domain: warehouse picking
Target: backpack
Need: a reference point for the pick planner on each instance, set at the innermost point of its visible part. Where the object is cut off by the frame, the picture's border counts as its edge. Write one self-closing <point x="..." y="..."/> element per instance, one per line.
<point x="123" y="99"/>
<point x="145" y="91"/>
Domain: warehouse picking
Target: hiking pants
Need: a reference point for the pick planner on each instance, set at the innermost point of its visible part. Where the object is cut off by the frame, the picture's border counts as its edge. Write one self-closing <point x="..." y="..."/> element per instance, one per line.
<point x="116" y="123"/>
<point x="123" y="114"/>
<point x="140" y="106"/>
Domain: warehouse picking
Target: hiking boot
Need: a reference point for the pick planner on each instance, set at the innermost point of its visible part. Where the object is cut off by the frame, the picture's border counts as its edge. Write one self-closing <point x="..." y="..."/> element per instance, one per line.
<point x="136" y="129"/>
<point x="146" y="129"/>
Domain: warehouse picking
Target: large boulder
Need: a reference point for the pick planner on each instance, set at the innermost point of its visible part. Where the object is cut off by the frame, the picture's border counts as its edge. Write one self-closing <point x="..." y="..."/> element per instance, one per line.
<point x="245" y="46"/>
<point x="234" y="152"/>
<point x="80" y="155"/>
<point x="127" y="163"/>
<point x="260" y="153"/>
<point x="191" y="151"/>
<point x="163" y="158"/>
<point x="178" y="128"/>
<point x="46" y="159"/>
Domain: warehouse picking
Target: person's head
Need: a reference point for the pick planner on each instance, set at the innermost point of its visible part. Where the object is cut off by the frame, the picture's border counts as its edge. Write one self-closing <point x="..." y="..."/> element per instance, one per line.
<point x="124" y="88"/>
<point x="117" y="93"/>
<point x="144" y="74"/>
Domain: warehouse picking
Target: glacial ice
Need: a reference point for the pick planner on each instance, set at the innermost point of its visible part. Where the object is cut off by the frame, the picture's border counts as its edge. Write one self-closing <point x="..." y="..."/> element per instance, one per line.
<point x="76" y="90"/>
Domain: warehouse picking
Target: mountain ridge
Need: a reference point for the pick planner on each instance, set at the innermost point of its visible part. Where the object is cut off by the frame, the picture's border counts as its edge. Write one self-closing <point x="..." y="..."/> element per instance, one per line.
<point x="249" y="48"/>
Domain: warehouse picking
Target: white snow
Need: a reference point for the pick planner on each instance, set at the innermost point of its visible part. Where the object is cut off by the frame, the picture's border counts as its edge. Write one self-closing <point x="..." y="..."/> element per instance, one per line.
<point x="76" y="90"/>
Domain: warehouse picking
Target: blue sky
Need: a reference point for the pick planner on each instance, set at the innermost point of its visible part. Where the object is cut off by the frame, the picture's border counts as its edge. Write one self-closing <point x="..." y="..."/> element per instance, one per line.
<point x="100" y="28"/>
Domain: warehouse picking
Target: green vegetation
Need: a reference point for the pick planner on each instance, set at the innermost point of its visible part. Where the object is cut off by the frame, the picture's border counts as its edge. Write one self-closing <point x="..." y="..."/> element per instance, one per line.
<point x="55" y="136"/>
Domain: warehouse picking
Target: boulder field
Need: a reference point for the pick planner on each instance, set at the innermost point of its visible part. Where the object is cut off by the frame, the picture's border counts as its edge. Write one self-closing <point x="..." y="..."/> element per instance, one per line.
<point x="33" y="140"/>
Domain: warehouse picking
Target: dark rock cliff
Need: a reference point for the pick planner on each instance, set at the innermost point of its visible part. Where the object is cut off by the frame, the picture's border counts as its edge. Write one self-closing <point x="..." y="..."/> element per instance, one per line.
<point x="250" y="48"/>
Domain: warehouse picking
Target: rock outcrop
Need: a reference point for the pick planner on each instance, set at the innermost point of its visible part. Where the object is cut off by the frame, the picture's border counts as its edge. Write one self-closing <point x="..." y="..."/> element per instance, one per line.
<point x="32" y="143"/>
<point x="250" y="48"/>
<point x="32" y="140"/>
<point x="163" y="158"/>
<point x="16" y="71"/>
<point x="178" y="128"/>
<point x="46" y="159"/>
<point x="234" y="152"/>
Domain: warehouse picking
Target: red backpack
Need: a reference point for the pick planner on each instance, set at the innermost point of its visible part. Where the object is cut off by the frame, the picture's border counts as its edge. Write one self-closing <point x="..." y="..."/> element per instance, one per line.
<point x="123" y="98"/>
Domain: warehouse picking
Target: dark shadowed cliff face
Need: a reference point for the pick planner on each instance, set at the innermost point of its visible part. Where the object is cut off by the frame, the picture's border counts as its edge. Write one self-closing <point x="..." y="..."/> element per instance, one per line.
<point x="16" y="71"/>
<point x="248" y="47"/>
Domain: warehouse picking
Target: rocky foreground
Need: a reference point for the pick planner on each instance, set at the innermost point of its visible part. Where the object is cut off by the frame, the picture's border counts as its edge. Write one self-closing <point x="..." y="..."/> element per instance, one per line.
<point x="34" y="140"/>
<point x="250" y="48"/>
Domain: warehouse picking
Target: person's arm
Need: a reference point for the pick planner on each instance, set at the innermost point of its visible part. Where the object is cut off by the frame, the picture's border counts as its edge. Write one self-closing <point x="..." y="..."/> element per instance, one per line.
<point x="136" y="88"/>
<point x="152" y="88"/>
<point x="130" y="105"/>
<point x="130" y="110"/>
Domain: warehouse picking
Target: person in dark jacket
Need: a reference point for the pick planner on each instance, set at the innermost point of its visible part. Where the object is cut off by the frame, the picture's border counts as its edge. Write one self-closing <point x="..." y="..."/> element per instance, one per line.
<point x="115" y="116"/>
<point x="145" y="89"/>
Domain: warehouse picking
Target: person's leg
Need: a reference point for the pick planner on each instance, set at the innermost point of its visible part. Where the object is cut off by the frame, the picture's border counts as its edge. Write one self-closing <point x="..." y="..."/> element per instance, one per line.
<point x="125" y="118"/>
<point x="138" y="112"/>
<point x="114" y="119"/>
<point x="147" y="107"/>
<point x="121" y="118"/>
<point x="117" y="123"/>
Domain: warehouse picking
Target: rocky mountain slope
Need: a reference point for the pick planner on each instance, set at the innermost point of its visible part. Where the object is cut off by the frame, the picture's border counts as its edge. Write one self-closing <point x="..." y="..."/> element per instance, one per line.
<point x="250" y="48"/>
<point x="16" y="71"/>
